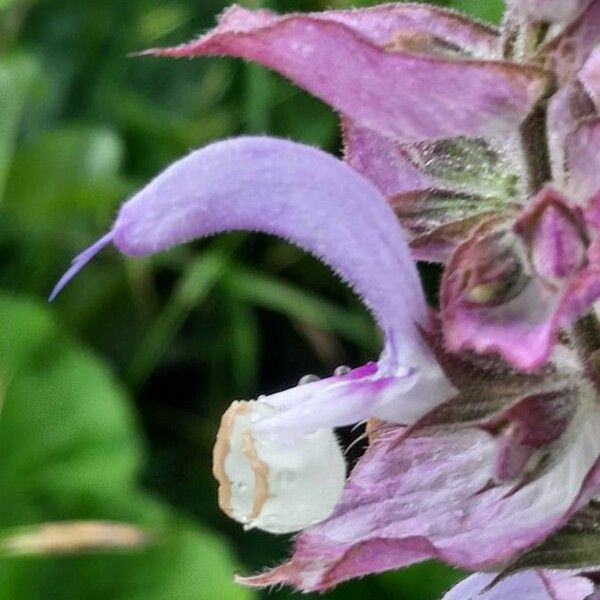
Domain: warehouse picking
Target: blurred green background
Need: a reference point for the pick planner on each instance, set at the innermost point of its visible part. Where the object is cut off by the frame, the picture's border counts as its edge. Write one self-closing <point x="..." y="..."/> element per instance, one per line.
<point x="111" y="396"/>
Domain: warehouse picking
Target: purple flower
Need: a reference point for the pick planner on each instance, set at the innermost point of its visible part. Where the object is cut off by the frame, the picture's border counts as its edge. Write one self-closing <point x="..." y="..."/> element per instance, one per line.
<point x="483" y="144"/>
<point x="317" y="202"/>
<point x="460" y="477"/>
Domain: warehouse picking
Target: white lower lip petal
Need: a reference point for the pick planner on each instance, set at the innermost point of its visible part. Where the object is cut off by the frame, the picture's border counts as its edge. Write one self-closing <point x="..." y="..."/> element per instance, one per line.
<point x="279" y="488"/>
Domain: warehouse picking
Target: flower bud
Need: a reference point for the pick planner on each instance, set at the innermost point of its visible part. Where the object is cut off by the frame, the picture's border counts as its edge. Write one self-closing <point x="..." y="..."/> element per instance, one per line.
<point x="276" y="487"/>
<point x="488" y="270"/>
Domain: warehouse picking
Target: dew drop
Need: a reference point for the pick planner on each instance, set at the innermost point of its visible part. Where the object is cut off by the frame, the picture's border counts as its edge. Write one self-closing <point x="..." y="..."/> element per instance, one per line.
<point x="310" y="378"/>
<point x="342" y="370"/>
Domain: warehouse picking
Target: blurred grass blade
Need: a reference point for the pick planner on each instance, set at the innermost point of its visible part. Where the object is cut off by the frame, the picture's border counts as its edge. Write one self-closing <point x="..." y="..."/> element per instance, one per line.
<point x="17" y="74"/>
<point x="277" y="295"/>
<point x="258" y="99"/>
<point x="194" y="285"/>
<point x="244" y="343"/>
<point x="72" y="536"/>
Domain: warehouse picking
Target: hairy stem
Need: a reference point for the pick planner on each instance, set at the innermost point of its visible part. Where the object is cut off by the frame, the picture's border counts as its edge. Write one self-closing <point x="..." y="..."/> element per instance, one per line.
<point x="586" y="336"/>
<point x="535" y="149"/>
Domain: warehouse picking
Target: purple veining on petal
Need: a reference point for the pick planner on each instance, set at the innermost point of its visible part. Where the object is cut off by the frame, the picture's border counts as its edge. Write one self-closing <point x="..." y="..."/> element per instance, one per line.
<point x="528" y="585"/>
<point x="398" y="94"/>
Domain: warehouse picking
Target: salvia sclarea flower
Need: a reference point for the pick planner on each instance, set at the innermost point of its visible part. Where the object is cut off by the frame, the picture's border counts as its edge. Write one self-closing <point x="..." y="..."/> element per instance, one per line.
<point x="465" y="146"/>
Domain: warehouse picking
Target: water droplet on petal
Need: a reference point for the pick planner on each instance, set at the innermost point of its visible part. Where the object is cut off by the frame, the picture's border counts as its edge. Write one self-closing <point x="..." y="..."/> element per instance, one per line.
<point x="310" y="378"/>
<point x="342" y="370"/>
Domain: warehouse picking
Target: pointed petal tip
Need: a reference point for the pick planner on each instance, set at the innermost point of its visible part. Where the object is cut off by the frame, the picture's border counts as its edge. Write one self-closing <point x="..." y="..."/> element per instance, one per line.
<point x="78" y="263"/>
<point x="158" y="51"/>
<point x="278" y="576"/>
<point x="145" y="52"/>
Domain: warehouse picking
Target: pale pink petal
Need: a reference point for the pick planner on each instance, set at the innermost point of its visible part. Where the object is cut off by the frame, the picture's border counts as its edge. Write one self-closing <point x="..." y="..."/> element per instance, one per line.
<point x="382" y="24"/>
<point x="590" y="77"/>
<point x="528" y="585"/>
<point x="568" y="109"/>
<point x="398" y="94"/>
<point x="338" y="401"/>
<point x="381" y="161"/>
<point x="582" y="161"/>
<point x="570" y="49"/>
<point x="553" y="11"/>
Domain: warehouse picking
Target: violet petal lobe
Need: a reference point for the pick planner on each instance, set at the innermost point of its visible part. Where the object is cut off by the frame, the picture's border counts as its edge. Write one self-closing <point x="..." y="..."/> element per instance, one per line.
<point x="291" y="191"/>
<point x="528" y="585"/>
<point x="396" y="93"/>
<point x="317" y="202"/>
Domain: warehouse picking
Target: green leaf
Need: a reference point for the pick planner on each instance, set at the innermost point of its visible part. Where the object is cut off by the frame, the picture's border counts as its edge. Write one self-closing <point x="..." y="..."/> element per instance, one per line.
<point x="193" y="286"/>
<point x="71" y="451"/>
<point x="490" y="10"/>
